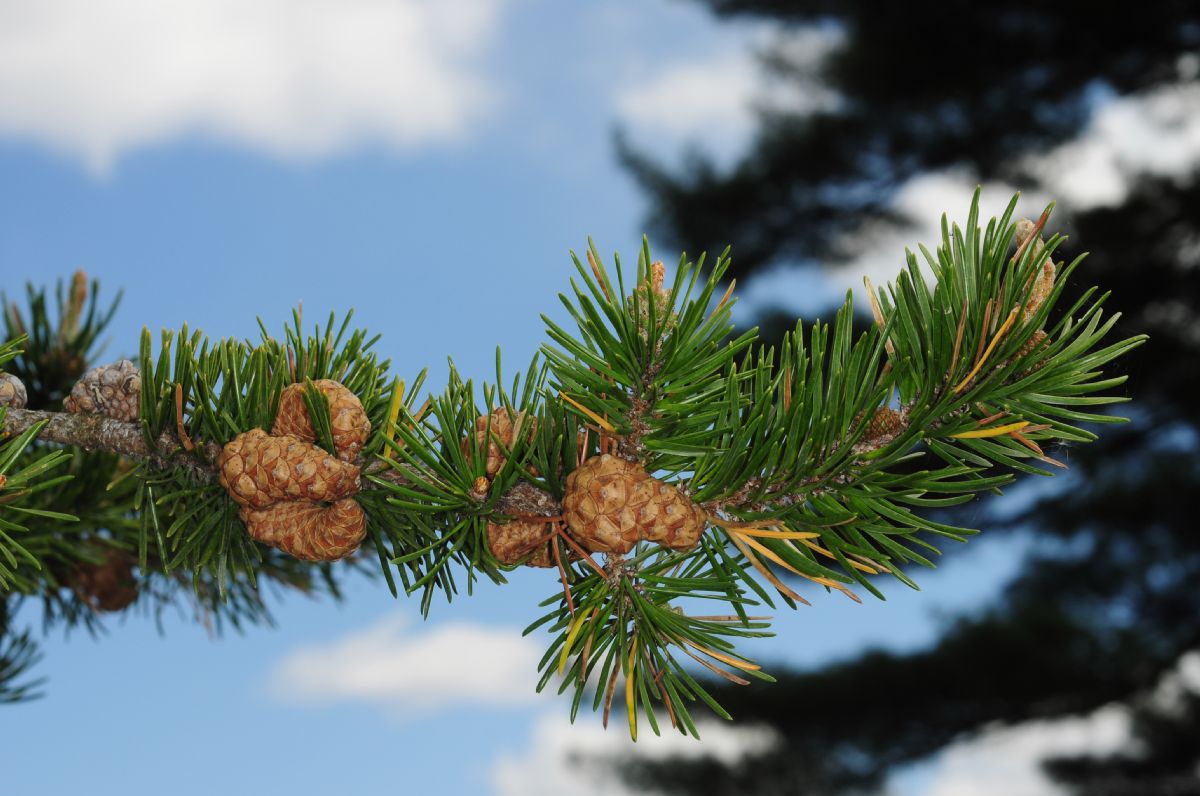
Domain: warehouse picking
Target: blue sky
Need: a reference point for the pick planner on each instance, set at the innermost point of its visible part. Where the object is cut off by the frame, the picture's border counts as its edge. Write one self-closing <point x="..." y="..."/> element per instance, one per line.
<point x="428" y="165"/>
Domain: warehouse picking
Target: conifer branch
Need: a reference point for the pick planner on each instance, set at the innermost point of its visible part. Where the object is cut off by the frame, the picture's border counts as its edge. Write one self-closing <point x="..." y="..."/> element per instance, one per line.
<point x="97" y="433"/>
<point x="650" y="456"/>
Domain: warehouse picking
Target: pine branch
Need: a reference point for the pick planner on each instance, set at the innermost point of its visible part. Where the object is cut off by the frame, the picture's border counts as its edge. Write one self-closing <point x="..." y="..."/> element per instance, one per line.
<point x="649" y="457"/>
<point x="92" y="432"/>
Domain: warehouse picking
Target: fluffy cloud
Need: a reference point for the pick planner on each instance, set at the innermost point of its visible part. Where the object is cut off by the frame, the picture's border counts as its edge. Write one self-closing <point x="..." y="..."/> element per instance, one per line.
<point x="1153" y="133"/>
<point x="560" y="756"/>
<point x="710" y="99"/>
<point x="390" y="666"/>
<point x="1008" y="761"/>
<point x="294" y="78"/>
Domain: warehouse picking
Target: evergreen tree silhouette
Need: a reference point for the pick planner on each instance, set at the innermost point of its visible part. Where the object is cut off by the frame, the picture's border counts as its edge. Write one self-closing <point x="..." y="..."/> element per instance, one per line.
<point x="1101" y="611"/>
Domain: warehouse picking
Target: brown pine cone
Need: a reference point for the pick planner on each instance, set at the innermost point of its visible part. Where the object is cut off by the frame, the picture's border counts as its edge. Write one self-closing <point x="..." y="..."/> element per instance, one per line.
<point x="346" y="417"/>
<point x="108" y="586"/>
<point x="504" y="432"/>
<point x="885" y="424"/>
<point x="610" y="504"/>
<point x="111" y="390"/>
<point x="257" y="470"/>
<point x="12" y="392"/>
<point x="1036" y="341"/>
<point x="309" y="531"/>
<point x="521" y="541"/>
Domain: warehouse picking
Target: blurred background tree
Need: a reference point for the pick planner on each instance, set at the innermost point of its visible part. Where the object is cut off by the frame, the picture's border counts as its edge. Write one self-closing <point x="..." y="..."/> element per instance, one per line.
<point x="1104" y="607"/>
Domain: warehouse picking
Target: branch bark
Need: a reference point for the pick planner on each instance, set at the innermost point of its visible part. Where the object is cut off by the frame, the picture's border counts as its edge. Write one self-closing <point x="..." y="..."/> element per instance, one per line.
<point x="99" y="433"/>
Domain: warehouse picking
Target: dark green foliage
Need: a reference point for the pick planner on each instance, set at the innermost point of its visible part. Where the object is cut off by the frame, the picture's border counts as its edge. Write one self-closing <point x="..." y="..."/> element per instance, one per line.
<point x="921" y="86"/>
<point x="1106" y="605"/>
<point x="58" y="348"/>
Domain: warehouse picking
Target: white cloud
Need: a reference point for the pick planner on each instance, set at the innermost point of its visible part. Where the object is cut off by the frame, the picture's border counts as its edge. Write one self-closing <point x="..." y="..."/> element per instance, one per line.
<point x="1007" y="762"/>
<point x="557" y="758"/>
<point x="294" y="78"/>
<point x="710" y="99"/>
<point x="1155" y="133"/>
<point x="386" y="665"/>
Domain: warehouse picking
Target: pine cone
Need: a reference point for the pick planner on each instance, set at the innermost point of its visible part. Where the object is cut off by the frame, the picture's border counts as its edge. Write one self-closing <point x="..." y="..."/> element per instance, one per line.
<point x="12" y="392"/>
<point x="108" y="586"/>
<point x="111" y="390"/>
<point x="504" y="432"/>
<point x="521" y="541"/>
<point x="610" y="504"/>
<point x="884" y="425"/>
<point x="346" y="417"/>
<point x="258" y="470"/>
<point x="309" y="531"/>
<point x="1036" y="341"/>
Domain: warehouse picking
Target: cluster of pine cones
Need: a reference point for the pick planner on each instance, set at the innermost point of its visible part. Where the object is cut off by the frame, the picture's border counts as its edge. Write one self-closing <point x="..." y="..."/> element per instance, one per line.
<point x="293" y="495"/>
<point x="610" y="504"/>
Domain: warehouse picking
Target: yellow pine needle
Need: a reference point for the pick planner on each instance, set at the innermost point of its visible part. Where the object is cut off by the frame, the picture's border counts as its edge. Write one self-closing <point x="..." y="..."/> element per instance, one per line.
<point x="833" y="584"/>
<point x="740" y="543"/>
<point x="1027" y="442"/>
<point x="600" y="421"/>
<point x="421" y="412"/>
<point x="958" y="336"/>
<point x="717" y="670"/>
<point x="393" y="414"/>
<point x="184" y="439"/>
<point x="587" y="648"/>
<point x="1033" y="446"/>
<point x="745" y="666"/>
<point x="725" y="298"/>
<point x="773" y="534"/>
<point x="877" y="312"/>
<point x="985" y="329"/>
<point x="995" y="431"/>
<point x="818" y="549"/>
<point x="870" y="562"/>
<point x="992" y="418"/>
<point x="576" y="626"/>
<point x="631" y="692"/>
<point x="609" y="691"/>
<point x="596" y="271"/>
<point x="1034" y="234"/>
<point x="771" y="531"/>
<point x="662" y="689"/>
<point x="1004" y="327"/>
<point x="771" y="555"/>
